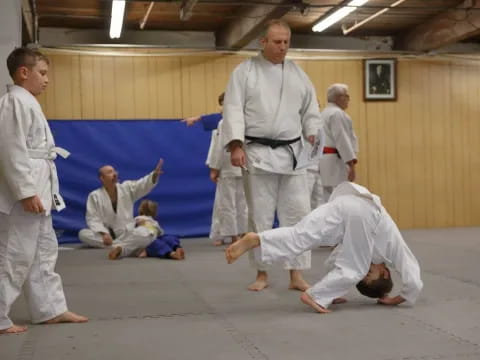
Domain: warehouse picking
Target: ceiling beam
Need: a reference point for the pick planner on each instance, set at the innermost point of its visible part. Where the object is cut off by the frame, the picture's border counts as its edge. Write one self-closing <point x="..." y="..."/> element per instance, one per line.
<point x="446" y="28"/>
<point x="186" y="9"/>
<point x="248" y="26"/>
<point x="28" y="19"/>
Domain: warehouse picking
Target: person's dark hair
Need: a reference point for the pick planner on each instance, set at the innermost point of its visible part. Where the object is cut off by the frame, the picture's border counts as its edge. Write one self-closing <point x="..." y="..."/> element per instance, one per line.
<point x="23" y="57"/>
<point x="148" y="208"/>
<point x="376" y="288"/>
<point x="220" y="98"/>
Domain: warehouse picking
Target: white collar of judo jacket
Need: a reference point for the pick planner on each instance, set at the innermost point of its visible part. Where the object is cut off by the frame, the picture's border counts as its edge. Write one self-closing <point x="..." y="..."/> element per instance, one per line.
<point x="349" y="188"/>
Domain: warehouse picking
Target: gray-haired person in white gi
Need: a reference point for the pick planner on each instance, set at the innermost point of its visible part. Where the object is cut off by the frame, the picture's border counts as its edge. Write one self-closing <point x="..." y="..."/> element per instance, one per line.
<point x="341" y="145"/>
<point x="270" y="104"/>
<point x="110" y="208"/>
<point x="367" y="241"/>
<point x="29" y="191"/>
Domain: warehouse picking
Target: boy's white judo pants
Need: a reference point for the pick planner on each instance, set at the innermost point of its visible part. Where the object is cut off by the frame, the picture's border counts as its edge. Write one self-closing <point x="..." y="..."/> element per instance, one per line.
<point x="28" y="254"/>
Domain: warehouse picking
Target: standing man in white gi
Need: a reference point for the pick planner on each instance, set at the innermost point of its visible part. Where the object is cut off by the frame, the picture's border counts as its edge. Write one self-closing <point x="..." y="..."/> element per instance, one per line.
<point x="368" y="240"/>
<point x="28" y="193"/>
<point x="110" y="208"/>
<point x="270" y="104"/>
<point x="341" y="146"/>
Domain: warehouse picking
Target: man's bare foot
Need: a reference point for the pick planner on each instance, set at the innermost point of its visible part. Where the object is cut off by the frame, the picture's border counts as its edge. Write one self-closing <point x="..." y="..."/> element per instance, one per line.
<point x="181" y="253"/>
<point x="260" y="282"/>
<point x="339" y="300"/>
<point x="142" y="254"/>
<point x="178" y="254"/>
<point x="297" y="282"/>
<point x="306" y="299"/>
<point x="115" y="253"/>
<point x="240" y="247"/>
<point x="67" y="317"/>
<point x="14" y="329"/>
<point x="218" y="243"/>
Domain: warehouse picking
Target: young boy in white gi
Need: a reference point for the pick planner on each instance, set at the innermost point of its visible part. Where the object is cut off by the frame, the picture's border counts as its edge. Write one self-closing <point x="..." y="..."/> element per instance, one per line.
<point x="229" y="218"/>
<point x="28" y="193"/>
<point x="367" y="239"/>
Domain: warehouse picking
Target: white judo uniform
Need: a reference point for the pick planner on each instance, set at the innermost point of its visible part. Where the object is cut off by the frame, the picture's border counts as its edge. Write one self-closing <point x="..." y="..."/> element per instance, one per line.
<point x="138" y="237"/>
<point x="229" y="217"/>
<point x="101" y="217"/>
<point x="28" y="244"/>
<point x="277" y="102"/>
<point x="355" y="220"/>
<point x="338" y="129"/>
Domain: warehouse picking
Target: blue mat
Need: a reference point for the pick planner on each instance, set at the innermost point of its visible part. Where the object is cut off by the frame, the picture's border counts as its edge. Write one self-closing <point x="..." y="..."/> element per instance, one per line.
<point x="184" y="193"/>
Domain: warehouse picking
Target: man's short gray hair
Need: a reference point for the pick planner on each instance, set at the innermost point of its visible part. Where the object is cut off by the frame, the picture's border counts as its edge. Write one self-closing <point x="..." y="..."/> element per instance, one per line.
<point x="274" y="22"/>
<point x="334" y="90"/>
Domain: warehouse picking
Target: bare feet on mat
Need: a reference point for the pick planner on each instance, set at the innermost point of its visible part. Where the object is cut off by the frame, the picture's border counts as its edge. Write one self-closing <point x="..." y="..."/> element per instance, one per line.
<point x="298" y="284"/>
<point x="218" y="243"/>
<point x="67" y="317"/>
<point x="339" y="300"/>
<point x="14" y="329"/>
<point x="181" y="253"/>
<point x="142" y="254"/>
<point x="307" y="300"/>
<point x="115" y="253"/>
<point x="240" y="247"/>
<point x="260" y="282"/>
<point x="178" y="254"/>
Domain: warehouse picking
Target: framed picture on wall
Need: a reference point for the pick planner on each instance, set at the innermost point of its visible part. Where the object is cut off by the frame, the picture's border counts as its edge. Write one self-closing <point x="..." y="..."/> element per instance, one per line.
<point x="380" y="79"/>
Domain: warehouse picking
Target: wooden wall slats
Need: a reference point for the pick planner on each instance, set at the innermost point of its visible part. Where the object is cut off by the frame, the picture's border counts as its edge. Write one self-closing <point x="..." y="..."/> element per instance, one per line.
<point x="421" y="153"/>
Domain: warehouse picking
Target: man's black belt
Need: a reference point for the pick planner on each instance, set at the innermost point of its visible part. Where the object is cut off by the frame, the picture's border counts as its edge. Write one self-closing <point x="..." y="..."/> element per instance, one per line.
<point x="274" y="144"/>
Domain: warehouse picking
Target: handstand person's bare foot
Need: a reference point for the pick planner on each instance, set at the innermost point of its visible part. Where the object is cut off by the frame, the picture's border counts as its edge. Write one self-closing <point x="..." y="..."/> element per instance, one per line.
<point x="339" y="300"/>
<point x="260" y="282"/>
<point x="306" y="299"/>
<point x="142" y="254"/>
<point x="297" y="282"/>
<point x="14" y="329"/>
<point x="240" y="247"/>
<point x="67" y="317"/>
<point x="115" y="253"/>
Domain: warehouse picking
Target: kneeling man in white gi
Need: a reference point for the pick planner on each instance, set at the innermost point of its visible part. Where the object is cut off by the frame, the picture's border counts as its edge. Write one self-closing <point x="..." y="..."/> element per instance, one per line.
<point x="28" y="192"/>
<point x="110" y="208"/>
<point x="367" y="239"/>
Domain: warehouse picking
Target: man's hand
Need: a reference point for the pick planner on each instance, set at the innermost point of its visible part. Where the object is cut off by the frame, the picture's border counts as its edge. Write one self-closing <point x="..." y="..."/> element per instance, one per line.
<point x="158" y="171"/>
<point x="391" y="300"/>
<point x="351" y="171"/>
<point x="191" y="120"/>
<point x="214" y="175"/>
<point x="33" y="204"/>
<point x="311" y="139"/>
<point x="107" y="239"/>
<point x="237" y="154"/>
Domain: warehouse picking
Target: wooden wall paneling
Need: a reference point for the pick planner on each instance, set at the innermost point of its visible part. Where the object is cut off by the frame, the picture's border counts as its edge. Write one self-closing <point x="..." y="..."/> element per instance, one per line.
<point x="50" y="93"/>
<point x="109" y="98"/>
<point x="125" y="87"/>
<point x="63" y="90"/>
<point x="404" y="159"/>
<point x="220" y="79"/>
<point x="169" y="87"/>
<point x="474" y="165"/>
<point x="153" y="104"/>
<point x="418" y="146"/>
<point x="98" y="89"/>
<point x="141" y="87"/>
<point x="468" y="146"/>
<point x="390" y="174"/>
<point x="87" y="86"/>
<point x="76" y="88"/>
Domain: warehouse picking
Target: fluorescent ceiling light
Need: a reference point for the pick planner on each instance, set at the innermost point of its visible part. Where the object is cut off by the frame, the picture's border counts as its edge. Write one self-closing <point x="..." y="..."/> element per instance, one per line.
<point x="116" y="21"/>
<point x="338" y="15"/>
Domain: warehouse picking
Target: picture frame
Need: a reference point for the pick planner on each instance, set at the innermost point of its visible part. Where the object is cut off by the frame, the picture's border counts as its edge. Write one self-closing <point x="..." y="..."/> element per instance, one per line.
<point x="380" y="79"/>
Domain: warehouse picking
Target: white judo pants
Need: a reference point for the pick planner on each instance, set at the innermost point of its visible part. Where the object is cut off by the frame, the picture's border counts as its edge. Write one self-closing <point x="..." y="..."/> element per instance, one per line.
<point x="93" y="239"/>
<point x="315" y="189"/>
<point x="131" y="241"/>
<point x="285" y="194"/>
<point x="229" y="216"/>
<point x="28" y="254"/>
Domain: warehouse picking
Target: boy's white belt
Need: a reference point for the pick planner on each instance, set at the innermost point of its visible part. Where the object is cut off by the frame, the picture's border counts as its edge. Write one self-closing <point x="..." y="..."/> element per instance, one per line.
<point x="51" y="154"/>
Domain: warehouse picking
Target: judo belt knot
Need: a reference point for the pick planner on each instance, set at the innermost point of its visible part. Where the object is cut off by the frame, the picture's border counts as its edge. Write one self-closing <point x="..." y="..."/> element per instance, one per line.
<point x="273" y="143"/>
